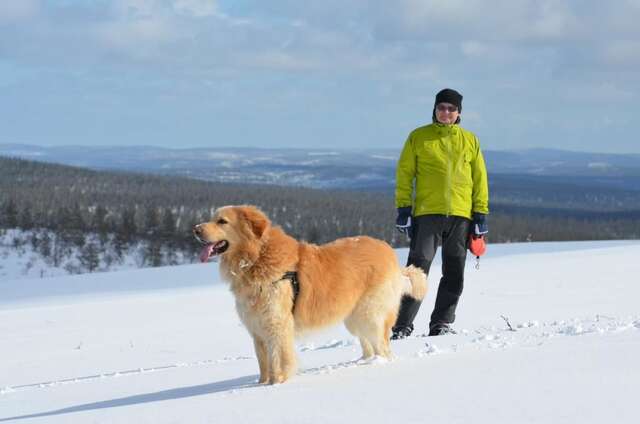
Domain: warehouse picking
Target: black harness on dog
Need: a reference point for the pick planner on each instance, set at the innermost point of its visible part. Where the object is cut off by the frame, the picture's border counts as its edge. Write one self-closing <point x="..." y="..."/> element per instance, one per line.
<point x="292" y="276"/>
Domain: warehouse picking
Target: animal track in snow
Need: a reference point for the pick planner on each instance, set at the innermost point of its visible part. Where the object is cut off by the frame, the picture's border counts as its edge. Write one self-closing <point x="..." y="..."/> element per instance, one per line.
<point x="328" y="345"/>
<point x="529" y="333"/>
<point x="117" y="374"/>
<point x="327" y="369"/>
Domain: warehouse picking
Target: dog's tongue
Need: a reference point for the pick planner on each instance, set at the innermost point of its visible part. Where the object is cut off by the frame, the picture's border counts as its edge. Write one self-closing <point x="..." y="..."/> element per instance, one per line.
<point x="206" y="252"/>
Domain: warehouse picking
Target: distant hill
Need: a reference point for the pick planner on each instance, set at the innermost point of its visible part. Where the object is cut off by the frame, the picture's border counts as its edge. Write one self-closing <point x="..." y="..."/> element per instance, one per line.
<point x="539" y="179"/>
<point x="86" y="220"/>
<point x="555" y="162"/>
<point x="317" y="168"/>
<point x="55" y="196"/>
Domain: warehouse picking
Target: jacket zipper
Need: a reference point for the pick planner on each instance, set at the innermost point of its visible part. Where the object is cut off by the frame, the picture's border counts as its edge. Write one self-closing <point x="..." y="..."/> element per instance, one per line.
<point x="449" y="171"/>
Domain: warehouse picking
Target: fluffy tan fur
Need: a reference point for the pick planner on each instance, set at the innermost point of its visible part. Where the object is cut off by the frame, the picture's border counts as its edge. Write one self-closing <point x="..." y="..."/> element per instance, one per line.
<point x="356" y="280"/>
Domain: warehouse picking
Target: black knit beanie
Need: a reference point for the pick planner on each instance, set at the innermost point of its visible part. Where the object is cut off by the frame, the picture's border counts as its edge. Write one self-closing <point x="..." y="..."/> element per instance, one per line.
<point x="449" y="96"/>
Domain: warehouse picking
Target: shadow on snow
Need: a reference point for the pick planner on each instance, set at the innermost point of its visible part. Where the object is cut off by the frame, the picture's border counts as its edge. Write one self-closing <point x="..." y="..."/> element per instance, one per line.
<point x="179" y="393"/>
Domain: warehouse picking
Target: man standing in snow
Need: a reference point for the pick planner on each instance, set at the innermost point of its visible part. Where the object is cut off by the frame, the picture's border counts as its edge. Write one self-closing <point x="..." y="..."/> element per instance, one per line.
<point x="442" y="165"/>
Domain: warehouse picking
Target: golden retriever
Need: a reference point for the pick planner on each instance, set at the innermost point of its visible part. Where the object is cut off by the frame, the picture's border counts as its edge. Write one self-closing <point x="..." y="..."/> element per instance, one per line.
<point x="356" y="280"/>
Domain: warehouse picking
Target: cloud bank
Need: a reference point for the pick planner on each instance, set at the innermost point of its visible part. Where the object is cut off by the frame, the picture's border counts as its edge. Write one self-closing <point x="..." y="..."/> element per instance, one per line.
<point x="340" y="74"/>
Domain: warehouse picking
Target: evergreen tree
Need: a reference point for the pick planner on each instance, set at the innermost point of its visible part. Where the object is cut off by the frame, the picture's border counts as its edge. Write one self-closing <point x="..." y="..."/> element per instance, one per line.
<point x="120" y="245"/>
<point x="128" y="228"/>
<point x="10" y="215"/>
<point x="45" y="245"/>
<point x="25" y="220"/>
<point x="168" y="227"/>
<point x="152" y="222"/>
<point x="169" y="237"/>
<point x="35" y="242"/>
<point x="74" y="227"/>
<point x="153" y="253"/>
<point x="59" y="251"/>
<point x="88" y="256"/>
<point x="99" y="223"/>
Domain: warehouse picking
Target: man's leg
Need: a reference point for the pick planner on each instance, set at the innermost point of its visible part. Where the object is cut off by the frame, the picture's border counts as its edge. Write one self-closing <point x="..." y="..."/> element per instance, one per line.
<point x="454" y="254"/>
<point x="424" y="242"/>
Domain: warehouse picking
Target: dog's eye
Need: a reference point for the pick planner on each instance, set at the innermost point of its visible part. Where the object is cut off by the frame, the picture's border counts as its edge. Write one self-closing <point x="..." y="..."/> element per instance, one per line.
<point x="221" y="221"/>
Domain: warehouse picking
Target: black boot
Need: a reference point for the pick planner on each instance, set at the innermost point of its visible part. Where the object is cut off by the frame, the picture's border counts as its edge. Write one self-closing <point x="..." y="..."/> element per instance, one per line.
<point x="440" y="329"/>
<point x="404" y="324"/>
<point x="401" y="332"/>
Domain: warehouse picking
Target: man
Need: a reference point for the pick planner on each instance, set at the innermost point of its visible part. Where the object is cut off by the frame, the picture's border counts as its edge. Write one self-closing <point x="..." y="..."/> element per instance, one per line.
<point x="441" y="195"/>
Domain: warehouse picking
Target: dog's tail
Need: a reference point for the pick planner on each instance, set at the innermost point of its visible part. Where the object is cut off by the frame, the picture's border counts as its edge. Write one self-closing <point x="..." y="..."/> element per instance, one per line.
<point x="418" y="280"/>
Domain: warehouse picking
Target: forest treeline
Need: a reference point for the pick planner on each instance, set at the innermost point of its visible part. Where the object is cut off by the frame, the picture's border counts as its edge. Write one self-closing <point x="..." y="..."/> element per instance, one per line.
<point x="108" y="212"/>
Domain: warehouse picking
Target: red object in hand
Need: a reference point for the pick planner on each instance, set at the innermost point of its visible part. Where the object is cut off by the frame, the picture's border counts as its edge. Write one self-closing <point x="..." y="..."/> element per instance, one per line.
<point x="477" y="246"/>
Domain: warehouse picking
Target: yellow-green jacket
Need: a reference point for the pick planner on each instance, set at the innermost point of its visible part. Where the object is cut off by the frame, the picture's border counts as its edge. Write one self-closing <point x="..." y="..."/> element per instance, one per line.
<point x="448" y="169"/>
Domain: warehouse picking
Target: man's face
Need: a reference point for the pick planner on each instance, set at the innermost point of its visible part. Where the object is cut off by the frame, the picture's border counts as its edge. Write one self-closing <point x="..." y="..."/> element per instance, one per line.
<point x="446" y="113"/>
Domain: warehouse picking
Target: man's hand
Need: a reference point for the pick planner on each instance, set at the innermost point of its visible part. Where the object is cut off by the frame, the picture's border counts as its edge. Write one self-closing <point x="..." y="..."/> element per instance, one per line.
<point x="403" y="221"/>
<point x="480" y="227"/>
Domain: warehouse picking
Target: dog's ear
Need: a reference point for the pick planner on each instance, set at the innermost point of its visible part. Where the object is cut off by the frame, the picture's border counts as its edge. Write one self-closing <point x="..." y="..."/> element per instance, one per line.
<point x="257" y="221"/>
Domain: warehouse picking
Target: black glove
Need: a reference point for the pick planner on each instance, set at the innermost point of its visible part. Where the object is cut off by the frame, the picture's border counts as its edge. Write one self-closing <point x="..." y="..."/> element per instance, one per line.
<point x="403" y="221"/>
<point x="480" y="227"/>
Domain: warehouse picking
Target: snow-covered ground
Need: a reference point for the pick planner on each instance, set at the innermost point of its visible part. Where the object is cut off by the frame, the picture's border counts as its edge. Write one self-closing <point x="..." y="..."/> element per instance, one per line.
<point x="19" y="258"/>
<point x="164" y="345"/>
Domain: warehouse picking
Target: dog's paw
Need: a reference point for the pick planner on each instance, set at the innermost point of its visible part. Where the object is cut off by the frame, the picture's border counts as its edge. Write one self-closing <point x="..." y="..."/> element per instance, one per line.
<point x="277" y="379"/>
<point x="375" y="359"/>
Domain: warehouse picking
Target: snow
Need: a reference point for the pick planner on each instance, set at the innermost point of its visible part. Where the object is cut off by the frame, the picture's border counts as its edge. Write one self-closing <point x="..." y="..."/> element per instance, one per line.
<point x="25" y="262"/>
<point x="547" y="332"/>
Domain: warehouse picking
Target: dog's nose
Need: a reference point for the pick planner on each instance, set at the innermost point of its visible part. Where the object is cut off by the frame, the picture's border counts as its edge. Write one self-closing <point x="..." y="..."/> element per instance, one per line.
<point x="197" y="230"/>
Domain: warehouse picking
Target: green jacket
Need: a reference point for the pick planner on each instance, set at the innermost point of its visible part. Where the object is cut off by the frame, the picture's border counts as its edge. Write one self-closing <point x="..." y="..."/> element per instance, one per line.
<point x="447" y="167"/>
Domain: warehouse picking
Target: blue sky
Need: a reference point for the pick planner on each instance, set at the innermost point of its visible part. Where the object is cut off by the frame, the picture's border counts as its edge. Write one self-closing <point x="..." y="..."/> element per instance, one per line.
<point x="322" y="74"/>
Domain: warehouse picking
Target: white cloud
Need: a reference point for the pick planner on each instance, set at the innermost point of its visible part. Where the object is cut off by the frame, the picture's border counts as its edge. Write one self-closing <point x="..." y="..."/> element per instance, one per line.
<point x="18" y="10"/>
<point x="395" y="54"/>
<point x="551" y="20"/>
<point x="473" y="118"/>
<point x="504" y="20"/>
<point x="161" y="31"/>
<point x="475" y="48"/>
<point x="599" y="94"/>
<point x="276" y="60"/>
<point x="136" y="8"/>
<point x="137" y="37"/>
<point x="398" y="39"/>
<point x="197" y="8"/>
<point x="623" y="52"/>
<point x="148" y="8"/>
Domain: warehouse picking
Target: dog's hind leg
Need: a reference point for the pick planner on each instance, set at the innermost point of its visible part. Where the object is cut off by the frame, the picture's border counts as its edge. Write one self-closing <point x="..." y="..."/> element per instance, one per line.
<point x="373" y="333"/>
<point x="354" y="326"/>
<point x="388" y="325"/>
<point x="372" y="319"/>
<point x="351" y="325"/>
<point x="367" y="349"/>
<point x="376" y="333"/>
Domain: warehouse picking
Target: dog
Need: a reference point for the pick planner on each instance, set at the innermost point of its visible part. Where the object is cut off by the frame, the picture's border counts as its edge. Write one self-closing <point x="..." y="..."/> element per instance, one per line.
<point x="356" y="280"/>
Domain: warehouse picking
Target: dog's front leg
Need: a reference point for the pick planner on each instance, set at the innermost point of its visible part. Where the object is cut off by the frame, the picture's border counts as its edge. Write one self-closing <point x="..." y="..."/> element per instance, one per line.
<point x="273" y="350"/>
<point x="282" y="356"/>
<point x="263" y="358"/>
<point x="288" y="352"/>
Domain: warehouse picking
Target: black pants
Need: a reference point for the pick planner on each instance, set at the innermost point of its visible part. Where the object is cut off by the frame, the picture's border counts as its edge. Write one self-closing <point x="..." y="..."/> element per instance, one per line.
<point x="427" y="233"/>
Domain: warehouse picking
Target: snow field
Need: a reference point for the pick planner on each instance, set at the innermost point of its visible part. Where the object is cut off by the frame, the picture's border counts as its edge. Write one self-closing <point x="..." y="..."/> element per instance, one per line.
<point x="165" y="346"/>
